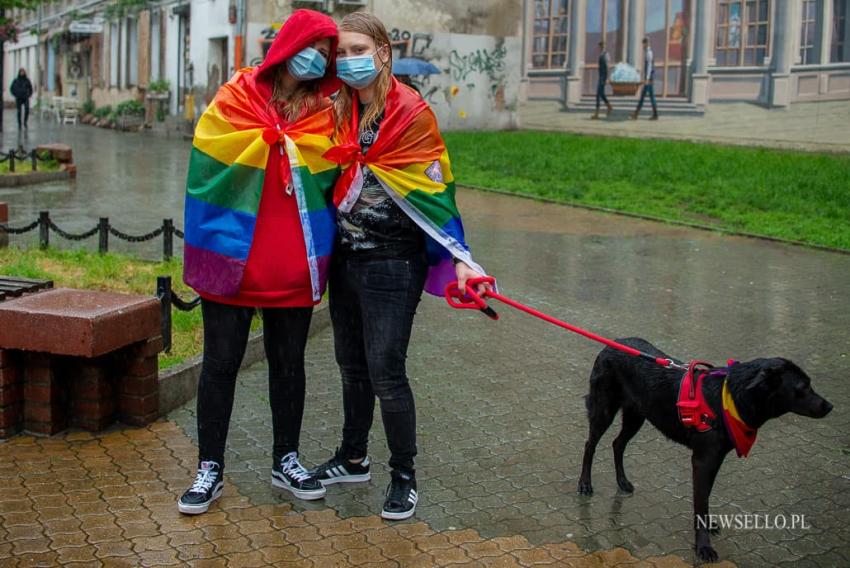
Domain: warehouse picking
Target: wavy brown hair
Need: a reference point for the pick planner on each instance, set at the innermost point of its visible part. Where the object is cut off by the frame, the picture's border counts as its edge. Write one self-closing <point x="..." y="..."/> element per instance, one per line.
<point x="366" y="24"/>
<point x="305" y="100"/>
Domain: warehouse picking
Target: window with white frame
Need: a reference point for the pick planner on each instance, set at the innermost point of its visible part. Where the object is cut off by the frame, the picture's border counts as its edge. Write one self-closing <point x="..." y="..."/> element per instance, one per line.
<point x="155" y="68"/>
<point x="551" y="31"/>
<point x="808" y="33"/>
<point x="132" y="59"/>
<point x="742" y="32"/>
<point x="114" y="53"/>
<point x="838" y="46"/>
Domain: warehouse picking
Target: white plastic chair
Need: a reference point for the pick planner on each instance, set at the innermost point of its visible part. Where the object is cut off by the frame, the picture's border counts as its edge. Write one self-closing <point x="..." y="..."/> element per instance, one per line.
<point x="70" y="111"/>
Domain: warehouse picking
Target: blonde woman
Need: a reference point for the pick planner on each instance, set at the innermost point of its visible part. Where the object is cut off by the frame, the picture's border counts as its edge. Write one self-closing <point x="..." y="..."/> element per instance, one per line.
<point x="399" y="232"/>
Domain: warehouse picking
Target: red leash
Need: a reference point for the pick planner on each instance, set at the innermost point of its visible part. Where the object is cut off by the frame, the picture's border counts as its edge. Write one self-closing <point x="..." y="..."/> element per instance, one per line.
<point x="472" y="300"/>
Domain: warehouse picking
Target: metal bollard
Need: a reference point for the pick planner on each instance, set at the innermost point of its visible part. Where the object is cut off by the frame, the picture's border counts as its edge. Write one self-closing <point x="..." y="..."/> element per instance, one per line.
<point x="103" y="235"/>
<point x="43" y="229"/>
<point x="163" y="292"/>
<point x="167" y="239"/>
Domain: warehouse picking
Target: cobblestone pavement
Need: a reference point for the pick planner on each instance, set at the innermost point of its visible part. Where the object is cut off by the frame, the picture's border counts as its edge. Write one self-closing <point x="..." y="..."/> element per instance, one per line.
<point x="109" y="500"/>
<point x="501" y="418"/>
<point x="501" y="423"/>
<point x="803" y="126"/>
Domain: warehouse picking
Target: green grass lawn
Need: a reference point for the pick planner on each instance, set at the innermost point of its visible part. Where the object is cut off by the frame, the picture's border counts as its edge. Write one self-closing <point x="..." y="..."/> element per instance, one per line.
<point x="791" y="195"/>
<point x="113" y="272"/>
<point x="25" y="167"/>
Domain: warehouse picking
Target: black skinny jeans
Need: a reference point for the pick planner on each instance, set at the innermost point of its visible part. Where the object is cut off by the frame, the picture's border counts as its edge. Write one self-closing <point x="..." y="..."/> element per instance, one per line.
<point x="226" y="330"/>
<point x="372" y="305"/>
<point x="25" y="103"/>
<point x="600" y="94"/>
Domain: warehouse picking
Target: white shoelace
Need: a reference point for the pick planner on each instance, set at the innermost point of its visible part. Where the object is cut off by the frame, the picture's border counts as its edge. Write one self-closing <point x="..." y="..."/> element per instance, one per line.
<point x="204" y="480"/>
<point x="290" y="465"/>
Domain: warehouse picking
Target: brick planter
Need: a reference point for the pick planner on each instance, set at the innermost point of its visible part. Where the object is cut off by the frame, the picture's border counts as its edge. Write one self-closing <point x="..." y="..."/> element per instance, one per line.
<point x="78" y="358"/>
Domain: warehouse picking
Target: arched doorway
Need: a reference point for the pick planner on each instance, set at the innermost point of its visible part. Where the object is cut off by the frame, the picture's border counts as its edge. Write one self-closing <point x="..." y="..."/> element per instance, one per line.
<point x="667" y="26"/>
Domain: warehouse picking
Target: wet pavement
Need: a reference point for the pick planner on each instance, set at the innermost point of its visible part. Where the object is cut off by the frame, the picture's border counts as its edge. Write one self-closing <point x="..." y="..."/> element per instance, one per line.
<point x="500" y="412"/>
<point x="501" y="415"/>
<point x="136" y="180"/>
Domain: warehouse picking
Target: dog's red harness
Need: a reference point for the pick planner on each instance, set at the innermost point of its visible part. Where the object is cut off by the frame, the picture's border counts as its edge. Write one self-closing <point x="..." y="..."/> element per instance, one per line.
<point x="694" y="411"/>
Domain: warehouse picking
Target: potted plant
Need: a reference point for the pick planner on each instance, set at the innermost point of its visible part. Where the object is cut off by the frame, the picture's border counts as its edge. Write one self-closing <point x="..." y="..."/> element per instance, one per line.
<point x="159" y="89"/>
<point x="129" y="115"/>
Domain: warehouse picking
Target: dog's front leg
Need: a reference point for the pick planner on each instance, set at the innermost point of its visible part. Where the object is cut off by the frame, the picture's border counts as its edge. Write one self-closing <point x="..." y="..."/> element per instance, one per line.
<point x="706" y="463"/>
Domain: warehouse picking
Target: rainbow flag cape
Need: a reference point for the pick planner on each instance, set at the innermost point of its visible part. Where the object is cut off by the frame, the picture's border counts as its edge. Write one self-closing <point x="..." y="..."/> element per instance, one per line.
<point x="230" y="154"/>
<point x="410" y="160"/>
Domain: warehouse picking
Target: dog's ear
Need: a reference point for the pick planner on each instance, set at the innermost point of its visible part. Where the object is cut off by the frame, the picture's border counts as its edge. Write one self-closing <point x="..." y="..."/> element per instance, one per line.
<point x="769" y="376"/>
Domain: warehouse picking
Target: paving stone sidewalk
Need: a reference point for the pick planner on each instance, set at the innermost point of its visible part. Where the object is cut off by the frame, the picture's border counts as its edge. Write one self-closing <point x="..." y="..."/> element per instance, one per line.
<point x="820" y="127"/>
<point x="501" y="424"/>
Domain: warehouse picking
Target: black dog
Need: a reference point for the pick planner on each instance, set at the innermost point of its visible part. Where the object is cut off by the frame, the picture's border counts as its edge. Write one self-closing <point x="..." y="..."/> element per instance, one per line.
<point x="761" y="389"/>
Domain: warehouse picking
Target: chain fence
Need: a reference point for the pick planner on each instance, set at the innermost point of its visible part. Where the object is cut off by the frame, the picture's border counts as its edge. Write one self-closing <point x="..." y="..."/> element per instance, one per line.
<point x="167" y="296"/>
<point x="103" y="230"/>
<point x="22" y="155"/>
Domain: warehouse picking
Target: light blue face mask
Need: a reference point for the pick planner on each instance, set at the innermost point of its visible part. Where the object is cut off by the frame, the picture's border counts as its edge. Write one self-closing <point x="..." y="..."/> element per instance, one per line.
<point x="307" y="64"/>
<point x="357" y="71"/>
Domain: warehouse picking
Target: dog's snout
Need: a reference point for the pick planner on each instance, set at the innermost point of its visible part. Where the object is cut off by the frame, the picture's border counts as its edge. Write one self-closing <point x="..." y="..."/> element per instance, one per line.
<point x="826" y="408"/>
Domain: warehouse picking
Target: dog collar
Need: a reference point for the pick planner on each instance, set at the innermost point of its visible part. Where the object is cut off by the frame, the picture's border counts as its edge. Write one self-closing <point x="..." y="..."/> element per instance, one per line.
<point x="742" y="436"/>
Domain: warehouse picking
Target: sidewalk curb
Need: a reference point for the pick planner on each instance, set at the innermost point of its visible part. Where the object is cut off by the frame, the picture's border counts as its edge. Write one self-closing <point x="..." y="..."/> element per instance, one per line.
<point x="31" y="178"/>
<point x="687" y="224"/>
<point x="179" y="384"/>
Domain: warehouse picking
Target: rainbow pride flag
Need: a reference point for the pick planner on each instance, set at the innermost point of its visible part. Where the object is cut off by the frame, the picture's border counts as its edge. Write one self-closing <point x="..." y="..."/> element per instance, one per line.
<point x="230" y="154"/>
<point x="410" y="160"/>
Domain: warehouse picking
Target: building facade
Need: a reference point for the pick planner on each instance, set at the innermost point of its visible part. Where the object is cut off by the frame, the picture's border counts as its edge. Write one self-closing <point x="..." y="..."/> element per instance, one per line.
<point x="108" y="51"/>
<point x="771" y="52"/>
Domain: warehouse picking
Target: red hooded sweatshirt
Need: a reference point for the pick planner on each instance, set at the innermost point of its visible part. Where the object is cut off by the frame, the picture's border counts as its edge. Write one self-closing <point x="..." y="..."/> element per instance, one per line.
<point x="277" y="274"/>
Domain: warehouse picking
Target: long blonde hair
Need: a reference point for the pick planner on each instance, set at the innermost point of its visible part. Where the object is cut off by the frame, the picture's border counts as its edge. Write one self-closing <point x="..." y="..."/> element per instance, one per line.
<point x="305" y="100"/>
<point x="366" y="24"/>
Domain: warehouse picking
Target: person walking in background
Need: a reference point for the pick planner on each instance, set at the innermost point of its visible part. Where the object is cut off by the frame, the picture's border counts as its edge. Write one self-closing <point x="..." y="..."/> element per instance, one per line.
<point x="22" y="91"/>
<point x="648" y="77"/>
<point x="604" y="60"/>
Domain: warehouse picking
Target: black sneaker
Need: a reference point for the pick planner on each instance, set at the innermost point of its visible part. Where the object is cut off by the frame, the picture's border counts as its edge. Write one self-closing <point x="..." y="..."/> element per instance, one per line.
<point x="289" y="474"/>
<point x="207" y="488"/>
<point x="401" y="497"/>
<point x="339" y="470"/>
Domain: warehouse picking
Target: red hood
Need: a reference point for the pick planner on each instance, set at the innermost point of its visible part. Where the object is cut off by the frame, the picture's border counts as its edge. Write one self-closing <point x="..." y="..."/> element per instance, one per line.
<point x="300" y="30"/>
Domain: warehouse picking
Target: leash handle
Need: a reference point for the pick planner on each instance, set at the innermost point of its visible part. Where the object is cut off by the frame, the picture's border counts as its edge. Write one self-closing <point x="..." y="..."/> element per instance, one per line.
<point x="470" y="299"/>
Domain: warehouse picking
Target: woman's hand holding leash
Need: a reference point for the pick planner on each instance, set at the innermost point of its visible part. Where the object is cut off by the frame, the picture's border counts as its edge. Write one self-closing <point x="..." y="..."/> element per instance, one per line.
<point x="465" y="273"/>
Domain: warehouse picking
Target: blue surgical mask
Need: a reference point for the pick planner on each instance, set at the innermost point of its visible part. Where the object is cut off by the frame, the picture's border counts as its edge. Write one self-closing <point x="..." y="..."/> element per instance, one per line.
<point x="357" y="71"/>
<point x="307" y="64"/>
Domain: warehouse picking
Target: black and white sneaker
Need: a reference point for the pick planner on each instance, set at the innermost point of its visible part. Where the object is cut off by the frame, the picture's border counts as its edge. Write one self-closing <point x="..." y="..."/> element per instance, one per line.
<point x="207" y="487"/>
<point x="401" y="497"/>
<point x="289" y="474"/>
<point x="339" y="470"/>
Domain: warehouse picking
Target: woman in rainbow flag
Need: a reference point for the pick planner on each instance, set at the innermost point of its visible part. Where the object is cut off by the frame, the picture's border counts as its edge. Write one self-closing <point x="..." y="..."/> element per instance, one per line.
<point x="399" y="232"/>
<point x="259" y="232"/>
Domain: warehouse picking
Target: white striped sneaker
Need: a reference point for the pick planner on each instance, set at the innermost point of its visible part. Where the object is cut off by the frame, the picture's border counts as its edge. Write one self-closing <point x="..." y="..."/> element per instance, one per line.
<point x="339" y="470"/>
<point x="401" y="498"/>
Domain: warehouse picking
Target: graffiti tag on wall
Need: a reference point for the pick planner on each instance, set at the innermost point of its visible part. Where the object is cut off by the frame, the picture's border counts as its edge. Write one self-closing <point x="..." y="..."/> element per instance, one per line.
<point x="489" y="62"/>
<point x="267" y="36"/>
<point x="409" y="44"/>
